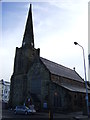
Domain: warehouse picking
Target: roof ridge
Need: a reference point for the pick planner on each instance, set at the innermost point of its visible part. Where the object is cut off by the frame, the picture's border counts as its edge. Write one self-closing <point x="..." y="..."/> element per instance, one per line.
<point x="57" y="64"/>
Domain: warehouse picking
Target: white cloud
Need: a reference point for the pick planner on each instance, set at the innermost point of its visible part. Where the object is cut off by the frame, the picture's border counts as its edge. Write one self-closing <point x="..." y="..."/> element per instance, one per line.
<point x="54" y="34"/>
<point x="58" y="46"/>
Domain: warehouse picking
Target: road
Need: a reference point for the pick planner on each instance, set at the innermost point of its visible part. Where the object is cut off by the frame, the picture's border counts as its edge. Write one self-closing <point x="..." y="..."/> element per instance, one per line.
<point x="9" y="115"/>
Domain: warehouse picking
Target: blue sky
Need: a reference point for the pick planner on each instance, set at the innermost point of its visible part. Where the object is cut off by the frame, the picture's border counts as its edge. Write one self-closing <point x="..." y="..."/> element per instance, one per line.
<point x="56" y="26"/>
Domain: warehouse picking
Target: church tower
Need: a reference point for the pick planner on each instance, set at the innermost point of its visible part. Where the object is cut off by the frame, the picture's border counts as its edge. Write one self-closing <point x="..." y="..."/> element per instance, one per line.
<point x="28" y="39"/>
<point x="24" y="58"/>
<point x="27" y="53"/>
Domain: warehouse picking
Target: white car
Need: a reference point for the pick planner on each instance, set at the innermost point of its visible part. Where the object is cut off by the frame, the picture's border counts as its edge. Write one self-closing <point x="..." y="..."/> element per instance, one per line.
<point x="22" y="110"/>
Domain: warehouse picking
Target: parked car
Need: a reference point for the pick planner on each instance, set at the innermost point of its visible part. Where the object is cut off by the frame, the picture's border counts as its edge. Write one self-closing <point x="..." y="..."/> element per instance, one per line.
<point x="22" y="110"/>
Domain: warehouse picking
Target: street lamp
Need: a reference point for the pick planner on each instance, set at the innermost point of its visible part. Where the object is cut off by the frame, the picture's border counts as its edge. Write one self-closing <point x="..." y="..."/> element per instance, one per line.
<point x="85" y="78"/>
<point x="89" y="60"/>
<point x="50" y="103"/>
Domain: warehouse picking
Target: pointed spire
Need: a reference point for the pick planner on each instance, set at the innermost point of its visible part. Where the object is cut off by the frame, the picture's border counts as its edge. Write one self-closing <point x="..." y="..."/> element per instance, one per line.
<point x="28" y="39"/>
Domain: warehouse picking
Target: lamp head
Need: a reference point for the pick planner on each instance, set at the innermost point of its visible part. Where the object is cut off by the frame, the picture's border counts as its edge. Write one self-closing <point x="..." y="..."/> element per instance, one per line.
<point x="75" y="43"/>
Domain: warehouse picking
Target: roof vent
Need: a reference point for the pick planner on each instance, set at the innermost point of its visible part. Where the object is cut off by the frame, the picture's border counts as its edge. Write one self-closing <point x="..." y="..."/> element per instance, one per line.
<point x="74" y="68"/>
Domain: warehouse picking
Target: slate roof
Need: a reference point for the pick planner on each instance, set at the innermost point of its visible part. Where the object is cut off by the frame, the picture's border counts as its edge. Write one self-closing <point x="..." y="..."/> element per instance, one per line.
<point x="60" y="70"/>
<point x="73" y="88"/>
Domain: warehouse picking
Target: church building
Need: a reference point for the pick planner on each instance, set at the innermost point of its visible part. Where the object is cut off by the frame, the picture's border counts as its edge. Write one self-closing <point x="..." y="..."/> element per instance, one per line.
<point x="42" y="81"/>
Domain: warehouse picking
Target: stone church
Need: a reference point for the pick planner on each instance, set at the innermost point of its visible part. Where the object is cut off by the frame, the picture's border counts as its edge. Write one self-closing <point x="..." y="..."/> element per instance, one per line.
<point x="42" y="81"/>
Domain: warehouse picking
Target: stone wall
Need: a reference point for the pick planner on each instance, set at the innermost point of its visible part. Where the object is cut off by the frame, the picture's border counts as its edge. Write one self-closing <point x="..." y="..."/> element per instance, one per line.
<point x="59" y="80"/>
<point x="68" y="99"/>
<point x="24" y="59"/>
<point x="38" y="77"/>
<point x="59" y="97"/>
<point x="18" y="90"/>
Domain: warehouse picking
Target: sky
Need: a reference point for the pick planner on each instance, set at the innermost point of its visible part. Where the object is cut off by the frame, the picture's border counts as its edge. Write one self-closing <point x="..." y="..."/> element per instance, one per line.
<point x="57" y="25"/>
<point x="89" y="40"/>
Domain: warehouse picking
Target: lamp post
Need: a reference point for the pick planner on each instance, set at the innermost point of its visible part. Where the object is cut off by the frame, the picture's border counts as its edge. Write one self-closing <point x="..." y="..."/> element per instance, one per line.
<point x="85" y="78"/>
<point x="50" y="103"/>
<point x="89" y="60"/>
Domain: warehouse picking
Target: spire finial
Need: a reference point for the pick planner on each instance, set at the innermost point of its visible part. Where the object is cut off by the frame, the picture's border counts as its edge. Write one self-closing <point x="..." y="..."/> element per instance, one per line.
<point x="28" y="39"/>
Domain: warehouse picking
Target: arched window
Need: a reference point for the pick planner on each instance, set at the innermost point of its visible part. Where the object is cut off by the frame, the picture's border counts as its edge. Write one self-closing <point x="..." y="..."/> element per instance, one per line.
<point x="57" y="100"/>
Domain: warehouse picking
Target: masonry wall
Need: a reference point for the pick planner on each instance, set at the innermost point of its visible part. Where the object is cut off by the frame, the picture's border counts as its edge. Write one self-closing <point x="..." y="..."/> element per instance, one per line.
<point x="18" y="90"/>
<point x="38" y="78"/>
<point x="70" y="100"/>
<point x="60" y="98"/>
<point x="41" y="84"/>
<point x="24" y="59"/>
<point x="45" y="85"/>
<point x="59" y="80"/>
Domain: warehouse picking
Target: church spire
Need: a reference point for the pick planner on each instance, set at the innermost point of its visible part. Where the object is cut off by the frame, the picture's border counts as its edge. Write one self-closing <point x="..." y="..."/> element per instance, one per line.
<point x="28" y="39"/>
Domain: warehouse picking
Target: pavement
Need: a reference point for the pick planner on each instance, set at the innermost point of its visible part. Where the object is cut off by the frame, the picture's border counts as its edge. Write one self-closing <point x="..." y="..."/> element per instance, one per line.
<point x="72" y="116"/>
<point x="9" y="115"/>
<point x="82" y="117"/>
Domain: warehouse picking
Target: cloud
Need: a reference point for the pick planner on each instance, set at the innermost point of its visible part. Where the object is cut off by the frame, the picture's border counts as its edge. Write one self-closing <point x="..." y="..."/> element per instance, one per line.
<point x="55" y="28"/>
<point x="57" y="45"/>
